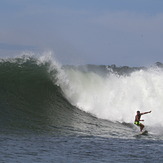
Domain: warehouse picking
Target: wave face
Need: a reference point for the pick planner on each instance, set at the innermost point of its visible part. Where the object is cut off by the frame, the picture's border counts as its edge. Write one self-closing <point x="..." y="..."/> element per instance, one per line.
<point x="38" y="93"/>
<point x="31" y="98"/>
<point x="28" y="93"/>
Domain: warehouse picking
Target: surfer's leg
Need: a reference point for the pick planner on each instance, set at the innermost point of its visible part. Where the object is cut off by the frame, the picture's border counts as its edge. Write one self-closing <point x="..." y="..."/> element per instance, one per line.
<point x="141" y="126"/>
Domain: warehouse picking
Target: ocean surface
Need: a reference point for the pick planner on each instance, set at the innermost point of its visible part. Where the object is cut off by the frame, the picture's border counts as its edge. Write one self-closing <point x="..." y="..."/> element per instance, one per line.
<point x="57" y="113"/>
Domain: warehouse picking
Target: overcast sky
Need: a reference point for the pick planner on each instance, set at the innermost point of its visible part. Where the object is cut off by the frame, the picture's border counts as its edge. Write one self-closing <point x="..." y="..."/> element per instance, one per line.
<point x="121" y="32"/>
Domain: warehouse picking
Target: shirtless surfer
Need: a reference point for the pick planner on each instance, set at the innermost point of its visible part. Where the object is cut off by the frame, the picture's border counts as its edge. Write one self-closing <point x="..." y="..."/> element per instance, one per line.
<point x="137" y="119"/>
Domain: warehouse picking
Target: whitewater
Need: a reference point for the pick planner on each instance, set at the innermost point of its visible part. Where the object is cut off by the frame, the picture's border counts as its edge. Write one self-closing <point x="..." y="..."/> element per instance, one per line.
<point x="51" y="112"/>
<point x="116" y="97"/>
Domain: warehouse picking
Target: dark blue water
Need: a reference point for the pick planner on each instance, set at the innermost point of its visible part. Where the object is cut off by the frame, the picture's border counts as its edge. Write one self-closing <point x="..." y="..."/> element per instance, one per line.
<point x="25" y="148"/>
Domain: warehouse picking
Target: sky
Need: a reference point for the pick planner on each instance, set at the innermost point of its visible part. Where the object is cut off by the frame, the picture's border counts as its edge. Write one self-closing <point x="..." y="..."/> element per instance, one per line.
<point x="102" y="32"/>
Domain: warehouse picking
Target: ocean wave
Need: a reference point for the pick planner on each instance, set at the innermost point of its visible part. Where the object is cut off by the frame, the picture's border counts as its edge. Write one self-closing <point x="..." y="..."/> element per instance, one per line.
<point x="39" y="93"/>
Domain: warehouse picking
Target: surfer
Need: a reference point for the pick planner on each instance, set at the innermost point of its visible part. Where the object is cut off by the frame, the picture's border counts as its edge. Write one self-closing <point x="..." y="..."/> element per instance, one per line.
<point x="137" y="119"/>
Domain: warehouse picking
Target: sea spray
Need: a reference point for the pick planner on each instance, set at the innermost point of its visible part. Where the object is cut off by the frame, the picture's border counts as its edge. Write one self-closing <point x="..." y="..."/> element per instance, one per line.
<point x="117" y="97"/>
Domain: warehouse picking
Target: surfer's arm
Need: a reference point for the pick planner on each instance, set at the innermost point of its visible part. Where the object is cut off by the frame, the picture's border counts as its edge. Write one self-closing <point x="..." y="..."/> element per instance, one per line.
<point x="146" y="112"/>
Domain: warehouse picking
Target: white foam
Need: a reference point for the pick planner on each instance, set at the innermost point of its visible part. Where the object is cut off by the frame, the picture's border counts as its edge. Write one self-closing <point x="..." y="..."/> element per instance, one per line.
<point x="117" y="98"/>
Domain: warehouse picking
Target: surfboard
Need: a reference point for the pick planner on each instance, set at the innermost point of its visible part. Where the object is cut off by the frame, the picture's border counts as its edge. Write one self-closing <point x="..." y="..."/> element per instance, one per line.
<point x="145" y="132"/>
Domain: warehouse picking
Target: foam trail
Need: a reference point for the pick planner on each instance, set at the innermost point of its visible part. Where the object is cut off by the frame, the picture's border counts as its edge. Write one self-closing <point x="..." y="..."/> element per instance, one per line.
<point x="117" y="98"/>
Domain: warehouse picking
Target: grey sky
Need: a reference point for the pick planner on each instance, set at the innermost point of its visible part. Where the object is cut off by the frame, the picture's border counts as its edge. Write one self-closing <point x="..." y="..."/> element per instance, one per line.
<point x="121" y="32"/>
